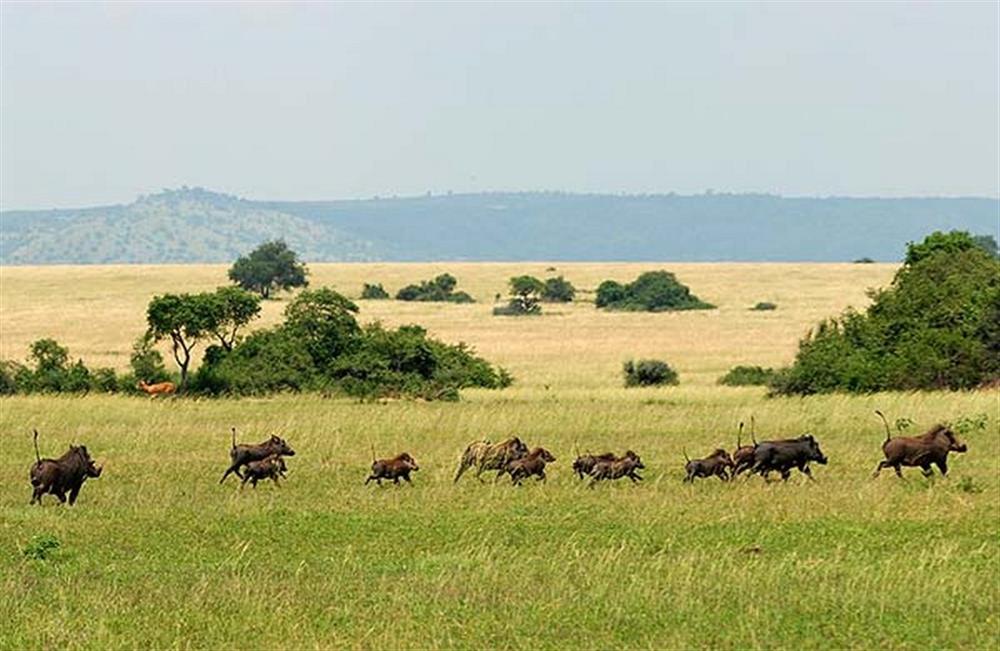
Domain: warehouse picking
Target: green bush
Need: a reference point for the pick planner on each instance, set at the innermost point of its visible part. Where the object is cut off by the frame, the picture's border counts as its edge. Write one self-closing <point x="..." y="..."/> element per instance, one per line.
<point x="764" y="306"/>
<point x="374" y="292"/>
<point x="935" y="327"/>
<point x="653" y="291"/>
<point x="321" y="347"/>
<point x="740" y="376"/>
<point x="440" y="289"/>
<point x="649" y="372"/>
<point x="147" y="362"/>
<point x="558" y="290"/>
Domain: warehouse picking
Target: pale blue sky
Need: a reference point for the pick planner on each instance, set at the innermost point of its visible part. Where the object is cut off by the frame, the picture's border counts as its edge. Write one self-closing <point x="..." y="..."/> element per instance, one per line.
<point x="102" y="102"/>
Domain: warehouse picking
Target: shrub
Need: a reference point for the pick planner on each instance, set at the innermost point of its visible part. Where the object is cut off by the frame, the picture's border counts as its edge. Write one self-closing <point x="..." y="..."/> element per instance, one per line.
<point x="648" y="372"/>
<point x="764" y="306"/>
<point x="558" y="290"/>
<point x="147" y="362"/>
<point x="40" y="547"/>
<point x="374" y="292"/>
<point x="739" y="376"/>
<point x="441" y="288"/>
<point x="864" y="260"/>
<point x="321" y="347"/>
<point x="653" y="291"/>
<point x="935" y="327"/>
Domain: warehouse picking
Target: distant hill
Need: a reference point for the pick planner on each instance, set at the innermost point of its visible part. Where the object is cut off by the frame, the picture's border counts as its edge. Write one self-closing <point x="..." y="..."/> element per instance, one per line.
<point x="197" y="225"/>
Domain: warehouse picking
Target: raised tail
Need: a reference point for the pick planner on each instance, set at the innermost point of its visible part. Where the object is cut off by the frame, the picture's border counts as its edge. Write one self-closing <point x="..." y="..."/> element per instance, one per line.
<point x="687" y="459"/>
<point x="753" y="428"/>
<point x="38" y="457"/>
<point x="234" y="438"/>
<point x="373" y="453"/>
<point x="888" y="434"/>
<point x="739" y="437"/>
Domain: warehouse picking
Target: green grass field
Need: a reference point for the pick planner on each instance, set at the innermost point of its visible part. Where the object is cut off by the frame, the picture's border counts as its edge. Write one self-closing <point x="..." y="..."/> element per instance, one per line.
<point x="156" y="554"/>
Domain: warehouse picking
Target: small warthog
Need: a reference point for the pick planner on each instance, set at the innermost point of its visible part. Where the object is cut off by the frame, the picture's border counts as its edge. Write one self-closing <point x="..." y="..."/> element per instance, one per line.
<point x="624" y="466"/>
<point x="932" y="447"/>
<point x="395" y="468"/>
<point x="716" y="464"/>
<point x="585" y="463"/>
<point x="785" y="454"/>
<point x="270" y="467"/>
<point x="491" y="456"/>
<point x="242" y="454"/>
<point x="62" y="475"/>
<point x="531" y="464"/>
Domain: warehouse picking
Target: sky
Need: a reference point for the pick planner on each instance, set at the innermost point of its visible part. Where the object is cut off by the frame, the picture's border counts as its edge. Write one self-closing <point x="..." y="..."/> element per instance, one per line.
<point x="100" y="103"/>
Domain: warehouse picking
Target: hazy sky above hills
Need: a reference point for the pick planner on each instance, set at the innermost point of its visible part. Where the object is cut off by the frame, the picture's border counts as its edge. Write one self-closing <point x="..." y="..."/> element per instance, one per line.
<point x="99" y="103"/>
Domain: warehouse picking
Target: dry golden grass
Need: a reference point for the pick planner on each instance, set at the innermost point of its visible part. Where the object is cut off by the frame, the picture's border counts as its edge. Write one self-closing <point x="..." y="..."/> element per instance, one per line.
<point x="98" y="311"/>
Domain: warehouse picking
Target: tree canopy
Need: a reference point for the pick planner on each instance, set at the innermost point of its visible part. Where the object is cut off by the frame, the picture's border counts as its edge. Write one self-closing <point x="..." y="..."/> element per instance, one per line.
<point x="653" y="291"/>
<point x="936" y="327"/>
<point x="272" y="266"/>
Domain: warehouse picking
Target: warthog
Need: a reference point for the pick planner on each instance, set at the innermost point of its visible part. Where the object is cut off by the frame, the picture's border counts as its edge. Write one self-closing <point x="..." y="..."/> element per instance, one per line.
<point x="486" y="456"/>
<point x="62" y="475"/>
<point x="242" y="454"/>
<point x="395" y="468"/>
<point x="932" y="447"/>
<point x="270" y="467"/>
<point x="715" y="464"/>
<point x="624" y="466"/>
<point x="531" y="464"/>
<point x="785" y="454"/>
<point x="585" y="463"/>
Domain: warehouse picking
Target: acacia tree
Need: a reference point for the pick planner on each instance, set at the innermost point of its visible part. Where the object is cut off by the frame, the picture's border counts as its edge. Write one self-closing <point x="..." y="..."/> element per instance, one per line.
<point x="185" y="319"/>
<point x="233" y="308"/>
<point x="271" y="266"/>
<point x="526" y="293"/>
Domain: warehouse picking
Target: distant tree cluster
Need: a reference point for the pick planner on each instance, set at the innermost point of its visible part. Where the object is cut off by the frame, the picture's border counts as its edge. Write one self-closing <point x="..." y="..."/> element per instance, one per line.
<point x="653" y="291"/>
<point x="936" y="327"/>
<point x="441" y="288"/>
<point x="270" y="267"/>
<point x="321" y="347"/>
<point x="764" y="306"/>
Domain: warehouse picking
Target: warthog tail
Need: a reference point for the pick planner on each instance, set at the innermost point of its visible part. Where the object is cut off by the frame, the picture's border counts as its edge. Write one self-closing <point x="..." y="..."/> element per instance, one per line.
<point x="888" y="434"/>
<point x="38" y="457"/>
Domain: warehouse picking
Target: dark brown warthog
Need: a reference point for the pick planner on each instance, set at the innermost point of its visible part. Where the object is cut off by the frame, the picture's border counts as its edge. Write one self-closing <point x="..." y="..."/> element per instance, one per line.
<point x="531" y="464"/>
<point x="716" y="464"/>
<point x="491" y="456"/>
<point x="932" y="447"/>
<point x="242" y="454"/>
<point x="270" y="467"/>
<point x="624" y="466"/>
<point x="585" y="463"/>
<point x="62" y="475"/>
<point x="395" y="468"/>
<point x="784" y="454"/>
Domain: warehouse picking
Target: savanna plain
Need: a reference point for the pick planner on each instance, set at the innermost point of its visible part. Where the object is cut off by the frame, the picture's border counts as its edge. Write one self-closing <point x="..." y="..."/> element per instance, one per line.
<point x="157" y="554"/>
